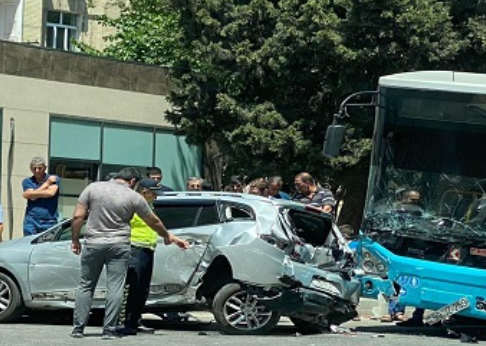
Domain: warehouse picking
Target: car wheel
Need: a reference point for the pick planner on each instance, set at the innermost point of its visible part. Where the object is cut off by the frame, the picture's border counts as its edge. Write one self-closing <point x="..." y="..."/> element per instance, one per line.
<point x="11" y="306"/>
<point x="307" y="327"/>
<point x="237" y="312"/>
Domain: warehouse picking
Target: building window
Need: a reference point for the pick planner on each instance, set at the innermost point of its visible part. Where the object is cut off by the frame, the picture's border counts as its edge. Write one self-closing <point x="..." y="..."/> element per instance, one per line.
<point x="61" y="29"/>
<point x="75" y="176"/>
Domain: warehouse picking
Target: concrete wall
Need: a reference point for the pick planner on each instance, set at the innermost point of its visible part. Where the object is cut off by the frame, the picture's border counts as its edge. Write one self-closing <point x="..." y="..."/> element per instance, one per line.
<point x="27" y="104"/>
<point x="33" y="88"/>
<point x="28" y="61"/>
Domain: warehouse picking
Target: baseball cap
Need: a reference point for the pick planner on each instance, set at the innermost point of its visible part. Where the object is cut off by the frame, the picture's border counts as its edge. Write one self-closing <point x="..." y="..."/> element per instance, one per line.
<point x="150" y="184"/>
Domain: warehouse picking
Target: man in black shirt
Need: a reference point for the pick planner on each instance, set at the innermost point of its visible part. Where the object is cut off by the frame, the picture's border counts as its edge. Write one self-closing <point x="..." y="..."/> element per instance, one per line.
<point x="155" y="173"/>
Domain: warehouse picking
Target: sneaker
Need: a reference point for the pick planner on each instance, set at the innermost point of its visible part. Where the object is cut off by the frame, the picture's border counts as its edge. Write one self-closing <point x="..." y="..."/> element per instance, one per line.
<point x="144" y="329"/>
<point x="126" y="331"/>
<point x="110" y="335"/>
<point x="77" y="333"/>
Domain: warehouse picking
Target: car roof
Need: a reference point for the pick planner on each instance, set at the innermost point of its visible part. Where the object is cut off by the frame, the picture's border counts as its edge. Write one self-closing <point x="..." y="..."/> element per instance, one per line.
<point x="216" y="195"/>
<point x="195" y="196"/>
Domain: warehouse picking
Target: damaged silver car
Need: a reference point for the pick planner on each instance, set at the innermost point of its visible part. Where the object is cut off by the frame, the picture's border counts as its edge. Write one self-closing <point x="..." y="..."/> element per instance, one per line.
<point x="251" y="261"/>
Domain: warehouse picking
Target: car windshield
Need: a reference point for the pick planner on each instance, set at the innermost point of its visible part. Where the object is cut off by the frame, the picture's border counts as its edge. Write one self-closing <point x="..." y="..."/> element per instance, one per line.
<point x="427" y="179"/>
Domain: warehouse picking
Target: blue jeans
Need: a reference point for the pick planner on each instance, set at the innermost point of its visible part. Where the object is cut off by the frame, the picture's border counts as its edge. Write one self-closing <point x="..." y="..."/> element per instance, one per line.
<point x="395" y="308"/>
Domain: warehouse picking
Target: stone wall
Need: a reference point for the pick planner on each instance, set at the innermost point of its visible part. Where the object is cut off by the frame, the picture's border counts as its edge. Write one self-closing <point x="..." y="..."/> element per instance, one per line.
<point x="34" y="62"/>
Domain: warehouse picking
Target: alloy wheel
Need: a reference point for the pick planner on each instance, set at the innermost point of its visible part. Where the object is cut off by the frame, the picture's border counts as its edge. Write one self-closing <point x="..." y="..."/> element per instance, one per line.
<point x="5" y="296"/>
<point x="244" y="312"/>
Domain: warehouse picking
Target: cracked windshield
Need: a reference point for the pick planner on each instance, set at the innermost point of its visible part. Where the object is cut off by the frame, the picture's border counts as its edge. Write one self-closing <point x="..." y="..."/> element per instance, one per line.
<point x="416" y="191"/>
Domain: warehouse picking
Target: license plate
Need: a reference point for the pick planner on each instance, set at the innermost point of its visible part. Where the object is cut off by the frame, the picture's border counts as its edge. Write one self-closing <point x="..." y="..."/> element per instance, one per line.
<point x="447" y="311"/>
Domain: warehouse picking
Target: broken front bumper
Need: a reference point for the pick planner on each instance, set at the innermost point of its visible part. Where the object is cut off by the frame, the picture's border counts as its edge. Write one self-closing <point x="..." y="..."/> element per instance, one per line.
<point x="312" y="304"/>
<point x="299" y="300"/>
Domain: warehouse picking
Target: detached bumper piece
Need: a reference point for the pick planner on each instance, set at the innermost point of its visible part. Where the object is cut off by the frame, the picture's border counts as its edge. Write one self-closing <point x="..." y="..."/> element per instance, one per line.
<point x="299" y="300"/>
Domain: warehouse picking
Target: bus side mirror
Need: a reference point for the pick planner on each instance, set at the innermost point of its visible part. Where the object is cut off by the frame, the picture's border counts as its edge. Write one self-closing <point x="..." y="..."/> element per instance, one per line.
<point x="334" y="140"/>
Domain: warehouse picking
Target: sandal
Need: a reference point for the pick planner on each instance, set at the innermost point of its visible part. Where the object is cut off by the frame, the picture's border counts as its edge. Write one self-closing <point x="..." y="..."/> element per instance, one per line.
<point x="400" y="317"/>
<point x="386" y="318"/>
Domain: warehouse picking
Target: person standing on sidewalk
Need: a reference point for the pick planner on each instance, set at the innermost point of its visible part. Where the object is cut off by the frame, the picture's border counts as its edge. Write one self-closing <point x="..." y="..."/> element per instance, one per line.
<point x="41" y="191"/>
<point x="109" y="207"/>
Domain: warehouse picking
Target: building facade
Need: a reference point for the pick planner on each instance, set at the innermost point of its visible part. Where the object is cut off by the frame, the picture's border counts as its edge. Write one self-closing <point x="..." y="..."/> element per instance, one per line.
<point x="55" y="23"/>
<point x="87" y="117"/>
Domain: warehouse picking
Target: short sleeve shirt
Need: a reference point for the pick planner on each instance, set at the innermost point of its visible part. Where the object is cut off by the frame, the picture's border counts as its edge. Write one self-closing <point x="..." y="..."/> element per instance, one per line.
<point x="41" y="208"/>
<point x="320" y="198"/>
<point x="111" y="206"/>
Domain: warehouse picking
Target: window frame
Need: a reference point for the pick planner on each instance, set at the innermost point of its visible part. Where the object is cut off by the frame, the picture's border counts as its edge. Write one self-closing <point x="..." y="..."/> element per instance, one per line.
<point x="198" y="207"/>
<point x="223" y="205"/>
<point x="67" y="28"/>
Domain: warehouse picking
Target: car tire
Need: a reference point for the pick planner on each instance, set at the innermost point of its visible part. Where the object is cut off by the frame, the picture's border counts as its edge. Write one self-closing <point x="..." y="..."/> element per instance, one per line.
<point x="237" y="312"/>
<point x="307" y="327"/>
<point x="11" y="298"/>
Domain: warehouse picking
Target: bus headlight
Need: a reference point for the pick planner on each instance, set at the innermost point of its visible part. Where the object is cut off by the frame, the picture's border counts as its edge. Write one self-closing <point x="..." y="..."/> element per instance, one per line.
<point x="371" y="264"/>
<point x="380" y="267"/>
<point x="368" y="266"/>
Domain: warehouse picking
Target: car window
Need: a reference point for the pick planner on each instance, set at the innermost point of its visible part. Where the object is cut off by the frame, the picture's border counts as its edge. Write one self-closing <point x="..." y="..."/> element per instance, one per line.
<point x="237" y="212"/>
<point x="66" y="232"/>
<point x="311" y="228"/>
<point x="183" y="216"/>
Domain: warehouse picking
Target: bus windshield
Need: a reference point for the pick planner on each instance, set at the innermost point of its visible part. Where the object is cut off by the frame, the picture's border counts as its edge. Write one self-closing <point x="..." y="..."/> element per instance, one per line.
<point x="428" y="169"/>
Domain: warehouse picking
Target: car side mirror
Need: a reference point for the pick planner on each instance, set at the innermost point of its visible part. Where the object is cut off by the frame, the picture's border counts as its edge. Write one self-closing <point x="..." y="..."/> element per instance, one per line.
<point x="334" y="139"/>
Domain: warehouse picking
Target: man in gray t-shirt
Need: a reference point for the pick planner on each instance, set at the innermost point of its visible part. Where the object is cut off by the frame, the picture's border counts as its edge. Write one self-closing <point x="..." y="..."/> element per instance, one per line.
<point x="111" y="206"/>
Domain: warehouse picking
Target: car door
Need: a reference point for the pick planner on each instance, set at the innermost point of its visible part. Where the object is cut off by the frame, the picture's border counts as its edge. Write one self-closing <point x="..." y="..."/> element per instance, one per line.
<point x="192" y="220"/>
<point x="54" y="269"/>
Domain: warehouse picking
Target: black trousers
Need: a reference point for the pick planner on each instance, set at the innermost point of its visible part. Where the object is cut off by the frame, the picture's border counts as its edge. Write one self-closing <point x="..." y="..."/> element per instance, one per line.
<point x="139" y="274"/>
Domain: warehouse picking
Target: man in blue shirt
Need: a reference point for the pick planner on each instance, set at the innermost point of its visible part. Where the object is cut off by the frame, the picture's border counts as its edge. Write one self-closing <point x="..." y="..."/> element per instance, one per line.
<point x="41" y="191"/>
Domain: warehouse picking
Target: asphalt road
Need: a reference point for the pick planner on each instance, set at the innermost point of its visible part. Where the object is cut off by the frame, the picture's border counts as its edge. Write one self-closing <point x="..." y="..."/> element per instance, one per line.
<point x="54" y="331"/>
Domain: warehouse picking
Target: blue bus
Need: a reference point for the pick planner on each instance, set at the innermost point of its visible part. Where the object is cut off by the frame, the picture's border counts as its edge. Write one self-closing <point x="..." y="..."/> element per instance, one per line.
<point x="423" y="235"/>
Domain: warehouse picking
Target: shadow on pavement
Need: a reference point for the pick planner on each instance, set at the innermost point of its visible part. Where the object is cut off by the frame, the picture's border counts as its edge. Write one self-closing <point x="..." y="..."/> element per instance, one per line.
<point x="474" y="331"/>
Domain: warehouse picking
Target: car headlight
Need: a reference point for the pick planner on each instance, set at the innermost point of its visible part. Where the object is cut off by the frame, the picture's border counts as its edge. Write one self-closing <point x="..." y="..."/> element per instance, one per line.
<point x="322" y="285"/>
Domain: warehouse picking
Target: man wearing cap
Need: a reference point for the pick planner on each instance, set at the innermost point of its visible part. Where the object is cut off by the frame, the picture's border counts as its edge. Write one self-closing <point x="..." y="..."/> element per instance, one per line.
<point x="111" y="206"/>
<point x="140" y="265"/>
<point x="41" y="191"/>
